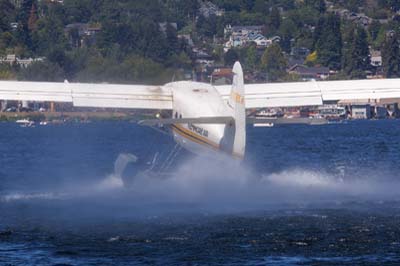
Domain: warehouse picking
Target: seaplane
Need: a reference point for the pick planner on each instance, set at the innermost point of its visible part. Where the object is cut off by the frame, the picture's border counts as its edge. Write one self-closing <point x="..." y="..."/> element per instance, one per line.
<point x="203" y="118"/>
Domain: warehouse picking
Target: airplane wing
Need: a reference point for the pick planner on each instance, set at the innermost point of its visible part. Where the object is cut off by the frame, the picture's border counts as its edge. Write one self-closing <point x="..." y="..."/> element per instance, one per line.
<point x="198" y="120"/>
<point x="287" y="121"/>
<point x="89" y="95"/>
<point x="314" y="93"/>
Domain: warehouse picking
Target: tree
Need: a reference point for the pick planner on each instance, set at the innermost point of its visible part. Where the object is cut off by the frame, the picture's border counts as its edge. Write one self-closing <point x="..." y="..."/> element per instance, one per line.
<point x="317" y="4"/>
<point x="274" y="20"/>
<point x="274" y="63"/>
<point x="357" y="59"/>
<point x="251" y="57"/>
<point x="374" y="29"/>
<point x="49" y="35"/>
<point x="231" y="57"/>
<point x="328" y="41"/>
<point x="287" y="31"/>
<point x="42" y="71"/>
<point x="391" y="57"/>
<point x="394" y="5"/>
<point x="207" y="26"/>
<point x="260" y="6"/>
<point x="6" y="11"/>
<point x="32" y="18"/>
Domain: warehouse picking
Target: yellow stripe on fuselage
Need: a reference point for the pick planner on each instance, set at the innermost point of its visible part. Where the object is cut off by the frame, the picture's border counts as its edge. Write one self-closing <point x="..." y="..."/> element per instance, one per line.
<point x="237" y="97"/>
<point x="186" y="133"/>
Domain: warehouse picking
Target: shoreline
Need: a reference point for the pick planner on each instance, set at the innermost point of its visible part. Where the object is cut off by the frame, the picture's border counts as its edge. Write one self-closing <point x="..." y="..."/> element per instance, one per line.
<point x="72" y="116"/>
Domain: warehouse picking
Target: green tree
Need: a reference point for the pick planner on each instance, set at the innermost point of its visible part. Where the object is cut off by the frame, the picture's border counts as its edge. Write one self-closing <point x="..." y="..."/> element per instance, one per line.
<point x="287" y="31"/>
<point x="49" y="35"/>
<point x="207" y="26"/>
<point x="6" y="14"/>
<point x="394" y="5"/>
<point x="78" y="10"/>
<point x="328" y="41"/>
<point x="274" y="63"/>
<point x="260" y="6"/>
<point x="231" y="57"/>
<point x="374" y="29"/>
<point x="274" y="20"/>
<point x="316" y="4"/>
<point x="391" y="57"/>
<point x="42" y="71"/>
<point x="357" y="59"/>
<point x="251" y="57"/>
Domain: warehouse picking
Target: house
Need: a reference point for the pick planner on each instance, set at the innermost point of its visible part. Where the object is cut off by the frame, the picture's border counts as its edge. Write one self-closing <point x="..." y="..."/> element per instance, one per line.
<point x="240" y="36"/>
<point x="12" y="59"/>
<point x="163" y="26"/>
<point x="376" y="58"/>
<point x="203" y="59"/>
<point x="292" y="61"/>
<point x="242" y="30"/>
<point x="261" y="41"/>
<point x="300" y="52"/>
<point x="362" y="20"/>
<point x="222" y="76"/>
<point x="310" y="73"/>
<point x="208" y="9"/>
<point x="359" y="18"/>
<point x="187" y="38"/>
<point x="14" y="26"/>
<point x="79" y="34"/>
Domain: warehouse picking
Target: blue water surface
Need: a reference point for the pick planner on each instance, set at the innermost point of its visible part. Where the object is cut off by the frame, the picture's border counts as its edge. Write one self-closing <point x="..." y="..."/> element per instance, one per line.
<point x="304" y="195"/>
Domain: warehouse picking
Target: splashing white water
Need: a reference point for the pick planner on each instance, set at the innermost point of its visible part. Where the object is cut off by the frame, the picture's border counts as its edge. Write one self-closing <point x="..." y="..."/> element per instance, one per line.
<point x="31" y="196"/>
<point x="224" y="184"/>
<point x="122" y="162"/>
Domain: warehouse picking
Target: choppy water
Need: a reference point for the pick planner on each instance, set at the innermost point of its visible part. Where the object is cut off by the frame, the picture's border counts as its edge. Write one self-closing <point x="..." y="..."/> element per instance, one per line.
<point x="324" y="195"/>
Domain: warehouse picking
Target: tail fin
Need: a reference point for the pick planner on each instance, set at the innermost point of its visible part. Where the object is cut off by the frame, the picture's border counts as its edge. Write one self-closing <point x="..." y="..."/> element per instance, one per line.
<point x="237" y="103"/>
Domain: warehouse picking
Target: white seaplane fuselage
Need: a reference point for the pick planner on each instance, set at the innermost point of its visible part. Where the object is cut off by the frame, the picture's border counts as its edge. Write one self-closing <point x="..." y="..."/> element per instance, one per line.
<point x="199" y="100"/>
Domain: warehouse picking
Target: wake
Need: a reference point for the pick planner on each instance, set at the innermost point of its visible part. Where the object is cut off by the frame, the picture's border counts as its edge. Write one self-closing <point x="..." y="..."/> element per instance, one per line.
<point x="223" y="185"/>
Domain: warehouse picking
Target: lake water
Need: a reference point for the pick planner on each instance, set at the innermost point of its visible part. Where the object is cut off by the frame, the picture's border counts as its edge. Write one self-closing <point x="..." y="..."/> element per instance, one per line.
<point x="305" y="195"/>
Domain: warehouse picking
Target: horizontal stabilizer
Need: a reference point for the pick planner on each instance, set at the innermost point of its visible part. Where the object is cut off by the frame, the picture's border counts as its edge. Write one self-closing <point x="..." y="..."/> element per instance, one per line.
<point x="288" y="121"/>
<point x="199" y="120"/>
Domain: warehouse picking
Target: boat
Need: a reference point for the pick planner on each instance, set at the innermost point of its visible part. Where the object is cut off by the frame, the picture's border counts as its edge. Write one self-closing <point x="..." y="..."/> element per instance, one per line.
<point x="25" y="123"/>
<point x="332" y="112"/>
<point x="263" y="124"/>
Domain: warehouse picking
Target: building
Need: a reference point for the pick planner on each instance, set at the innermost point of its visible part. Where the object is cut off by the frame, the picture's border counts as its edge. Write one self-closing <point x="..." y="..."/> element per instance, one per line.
<point x="163" y="26"/>
<point x="240" y="36"/>
<point x="300" y="52"/>
<point x="376" y="58"/>
<point x="380" y="112"/>
<point x="310" y="73"/>
<point x="208" y="9"/>
<point x="361" y="111"/>
<point x="242" y="30"/>
<point x="187" y="38"/>
<point x="222" y="76"/>
<point x="80" y="34"/>
<point x="360" y="19"/>
<point x="12" y="59"/>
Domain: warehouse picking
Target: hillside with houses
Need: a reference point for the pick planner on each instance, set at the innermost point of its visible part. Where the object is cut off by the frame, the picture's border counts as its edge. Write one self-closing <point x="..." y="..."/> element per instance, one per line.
<point x="157" y="41"/>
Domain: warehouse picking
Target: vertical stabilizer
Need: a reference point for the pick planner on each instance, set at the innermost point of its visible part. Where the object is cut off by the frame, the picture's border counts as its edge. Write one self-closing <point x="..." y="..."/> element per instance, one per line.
<point x="237" y="103"/>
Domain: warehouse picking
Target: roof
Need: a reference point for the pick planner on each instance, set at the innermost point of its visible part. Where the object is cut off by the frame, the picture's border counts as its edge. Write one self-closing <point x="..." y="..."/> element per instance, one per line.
<point x="248" y="28"/>
<point x="304" y="70"/>
<point x="222" y="72"/>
